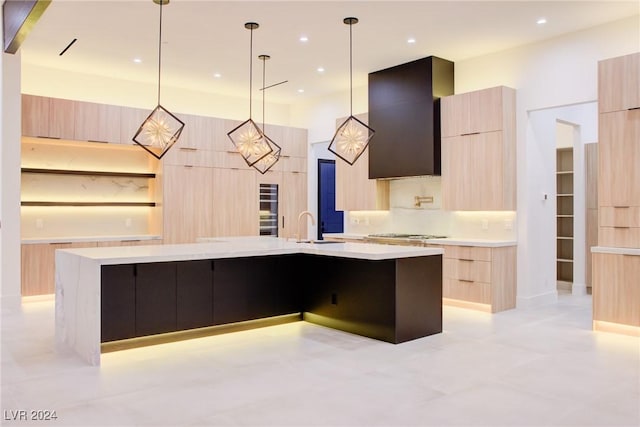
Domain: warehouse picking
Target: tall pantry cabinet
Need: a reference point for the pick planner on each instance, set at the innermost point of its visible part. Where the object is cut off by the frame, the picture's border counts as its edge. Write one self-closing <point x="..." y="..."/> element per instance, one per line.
<point x="616" y="261"/>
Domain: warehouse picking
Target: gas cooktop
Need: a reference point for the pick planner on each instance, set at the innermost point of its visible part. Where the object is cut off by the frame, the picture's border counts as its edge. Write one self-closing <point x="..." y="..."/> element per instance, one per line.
<point x="406" y="236"/>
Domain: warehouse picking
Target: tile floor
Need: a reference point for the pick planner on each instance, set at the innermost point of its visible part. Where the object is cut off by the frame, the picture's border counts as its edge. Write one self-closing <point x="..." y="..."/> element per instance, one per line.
<point x="540" y="366"/>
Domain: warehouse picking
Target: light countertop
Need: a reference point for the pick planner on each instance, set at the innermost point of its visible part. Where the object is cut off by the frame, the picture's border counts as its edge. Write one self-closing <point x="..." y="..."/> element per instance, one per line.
<point x="239" y="247"/>
<point x="617" y="251"/>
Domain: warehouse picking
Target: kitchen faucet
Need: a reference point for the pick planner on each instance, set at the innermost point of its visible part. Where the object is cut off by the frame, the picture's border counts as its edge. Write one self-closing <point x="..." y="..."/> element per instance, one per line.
<point x="302" y="215"/>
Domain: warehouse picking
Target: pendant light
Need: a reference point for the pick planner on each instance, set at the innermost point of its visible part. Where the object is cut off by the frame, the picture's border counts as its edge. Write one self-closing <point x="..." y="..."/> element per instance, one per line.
<point x="161" y="129"/>
<point x="352" y="136"/>
<point x="267" y="162"/>
<point x="248" y="139"/>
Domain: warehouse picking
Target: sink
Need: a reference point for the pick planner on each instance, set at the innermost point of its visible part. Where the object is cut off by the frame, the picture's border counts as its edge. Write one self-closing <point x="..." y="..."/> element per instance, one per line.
<point x="318" y="242"/>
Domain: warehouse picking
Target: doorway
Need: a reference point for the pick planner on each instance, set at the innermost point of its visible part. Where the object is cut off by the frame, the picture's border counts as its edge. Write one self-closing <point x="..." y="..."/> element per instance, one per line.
<point x="329" y="219"/>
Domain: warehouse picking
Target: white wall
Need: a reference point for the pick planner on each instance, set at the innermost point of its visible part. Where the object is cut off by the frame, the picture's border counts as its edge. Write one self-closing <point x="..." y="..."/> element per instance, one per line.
<point x="10" y="181"/>
<point x="557" y="72"/>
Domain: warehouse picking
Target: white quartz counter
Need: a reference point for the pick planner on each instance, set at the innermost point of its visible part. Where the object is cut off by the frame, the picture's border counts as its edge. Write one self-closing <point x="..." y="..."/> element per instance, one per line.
<point x="617" y="251"/>
<point x="236" y="247"/>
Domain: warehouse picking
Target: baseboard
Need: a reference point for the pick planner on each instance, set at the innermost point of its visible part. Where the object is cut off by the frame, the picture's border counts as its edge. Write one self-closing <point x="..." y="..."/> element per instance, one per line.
<point x="579" y="289"/>
<point x="10" y="301"/>
<point x="537" y="300"/>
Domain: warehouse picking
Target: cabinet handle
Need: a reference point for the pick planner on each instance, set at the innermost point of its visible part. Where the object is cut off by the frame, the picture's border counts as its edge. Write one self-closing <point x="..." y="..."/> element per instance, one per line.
<point x="634" y="108"/>
<point x="466" y="259"/>
<point x="61" y="243"/>
<point x="470" y="133"/>
<point x="99" y="142"/>
<point x="48" y="137"/>
<point x="187" y="149"/>
<point x="620" y="226"/>
<point x="466" y="281"/>
<point x="282" y="221"/>
<point x="188" y="166"/>
<point x="622" y="207"/>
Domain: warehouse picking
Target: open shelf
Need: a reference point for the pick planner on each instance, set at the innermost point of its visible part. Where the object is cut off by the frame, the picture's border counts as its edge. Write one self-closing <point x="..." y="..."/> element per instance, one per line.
<point x="89" y="173"/>
<point x="564" y="214"/>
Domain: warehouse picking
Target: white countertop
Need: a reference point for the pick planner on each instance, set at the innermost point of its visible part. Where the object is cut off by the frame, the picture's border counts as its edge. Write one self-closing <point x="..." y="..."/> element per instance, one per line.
<point x="62" y="239"/>
<point x="454" y="241"/>
<point x="617" y="251"/>
<point x="239" y="247"/>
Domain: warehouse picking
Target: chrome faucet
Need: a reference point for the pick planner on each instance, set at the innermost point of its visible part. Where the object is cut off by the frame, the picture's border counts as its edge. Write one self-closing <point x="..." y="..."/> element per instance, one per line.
<point x="302" y="215"/>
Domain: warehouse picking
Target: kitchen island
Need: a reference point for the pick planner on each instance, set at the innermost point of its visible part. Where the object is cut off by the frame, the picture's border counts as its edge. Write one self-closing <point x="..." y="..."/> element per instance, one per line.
<point x="108" y="294"/>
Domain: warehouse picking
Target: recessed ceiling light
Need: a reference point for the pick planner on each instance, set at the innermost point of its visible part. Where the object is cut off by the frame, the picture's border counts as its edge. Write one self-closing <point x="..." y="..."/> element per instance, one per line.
<point x="541" y="21"/>
<point x="321" y="69"/>
<point x="304" y="39"/>
<point x="217" y="75"/>
<point x="137" y="60"/>
<point x="411" y="40"/>
<point x="300" y="90"/>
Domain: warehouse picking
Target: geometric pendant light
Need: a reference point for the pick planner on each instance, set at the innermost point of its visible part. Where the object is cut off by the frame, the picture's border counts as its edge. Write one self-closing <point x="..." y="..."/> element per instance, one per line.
<point x="248" y="138"/>
<point x="352" y="136"/>
<point x="267" y="162"/>
<point x="161" y="129"/>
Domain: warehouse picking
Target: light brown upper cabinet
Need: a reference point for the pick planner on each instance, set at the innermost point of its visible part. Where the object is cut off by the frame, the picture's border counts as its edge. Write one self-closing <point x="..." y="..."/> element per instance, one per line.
<point x="48" y="117"/>
<point x="619" y="83"/>
<point x="481" y="111"/>
<point x="354" y="190"/>
<point x="130" y="121"/>
<point x="479" y="150"/>
<point x="97" y="122"/>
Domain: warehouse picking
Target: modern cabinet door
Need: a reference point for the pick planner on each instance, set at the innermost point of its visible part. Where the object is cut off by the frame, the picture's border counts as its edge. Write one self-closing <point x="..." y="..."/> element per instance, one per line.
<point x="293" y="202"/>
<point x="230" y="278"/>
<point x="117" y="302"/>
<point x="235" y="203"/>
<point x="194" y="294"/>
<point x="155" y="298"/>
<point x="35" y="116"/>
<point x="619" y="159"/>
<point x="619" y="83"/>
<point x="475" y="175"/>
<point x="616" y="288"/>
<point x="475" y="112"/>
<point x="48" y="117"/>
<point x="188" y="203"/>
<point x="97" y="122"/>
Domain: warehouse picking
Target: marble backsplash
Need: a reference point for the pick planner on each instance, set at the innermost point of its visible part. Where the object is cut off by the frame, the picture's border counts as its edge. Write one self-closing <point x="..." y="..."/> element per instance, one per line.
<point x="429" y="218"/>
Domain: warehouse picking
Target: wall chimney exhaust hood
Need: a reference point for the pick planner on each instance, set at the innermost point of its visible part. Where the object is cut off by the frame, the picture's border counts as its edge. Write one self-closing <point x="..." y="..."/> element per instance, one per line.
<point x="404" y="109"/>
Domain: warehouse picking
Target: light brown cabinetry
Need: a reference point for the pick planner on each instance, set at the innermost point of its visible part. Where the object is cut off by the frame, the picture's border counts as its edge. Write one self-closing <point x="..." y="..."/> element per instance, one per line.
<point x="616" y="276"/>
<point x="616" y="288"/>
<point x="48" y="117"/>
<point x="293" y="200"/>
<point x="235" y="203"/>
<point x="479" y="150"/>
<point x="354" y="190"/>
<point x="619" y="83"/>
<point x="591" y="174"/>
<point x="480" y="277"/>
<point x="97" y="122"/>
<point x="38" y="266"/>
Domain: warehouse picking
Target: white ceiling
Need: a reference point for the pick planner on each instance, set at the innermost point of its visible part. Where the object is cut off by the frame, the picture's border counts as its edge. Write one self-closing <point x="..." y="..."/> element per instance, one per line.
<point x="206" y="37"/>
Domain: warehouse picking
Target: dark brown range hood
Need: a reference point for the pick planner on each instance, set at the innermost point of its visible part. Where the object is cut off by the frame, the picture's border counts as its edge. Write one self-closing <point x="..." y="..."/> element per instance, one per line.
<point x="404" y="111"/>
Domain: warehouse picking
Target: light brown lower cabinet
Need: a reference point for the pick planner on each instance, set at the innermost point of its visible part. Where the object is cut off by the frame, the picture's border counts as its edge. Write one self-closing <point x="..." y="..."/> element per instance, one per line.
<point x="38" y="266"/>
<point x="482" y="278"/>
<point x="235" y="203"/>
<point x="293" y="201"/>
<point x="616" y="289"/>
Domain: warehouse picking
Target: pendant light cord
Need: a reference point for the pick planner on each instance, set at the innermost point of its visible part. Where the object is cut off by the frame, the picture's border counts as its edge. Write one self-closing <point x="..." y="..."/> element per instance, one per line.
<point x="264" y="67"/>
<point x="351" y="68"/>
<point x="160" y="50"/>
<point x="250" y="72"/>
